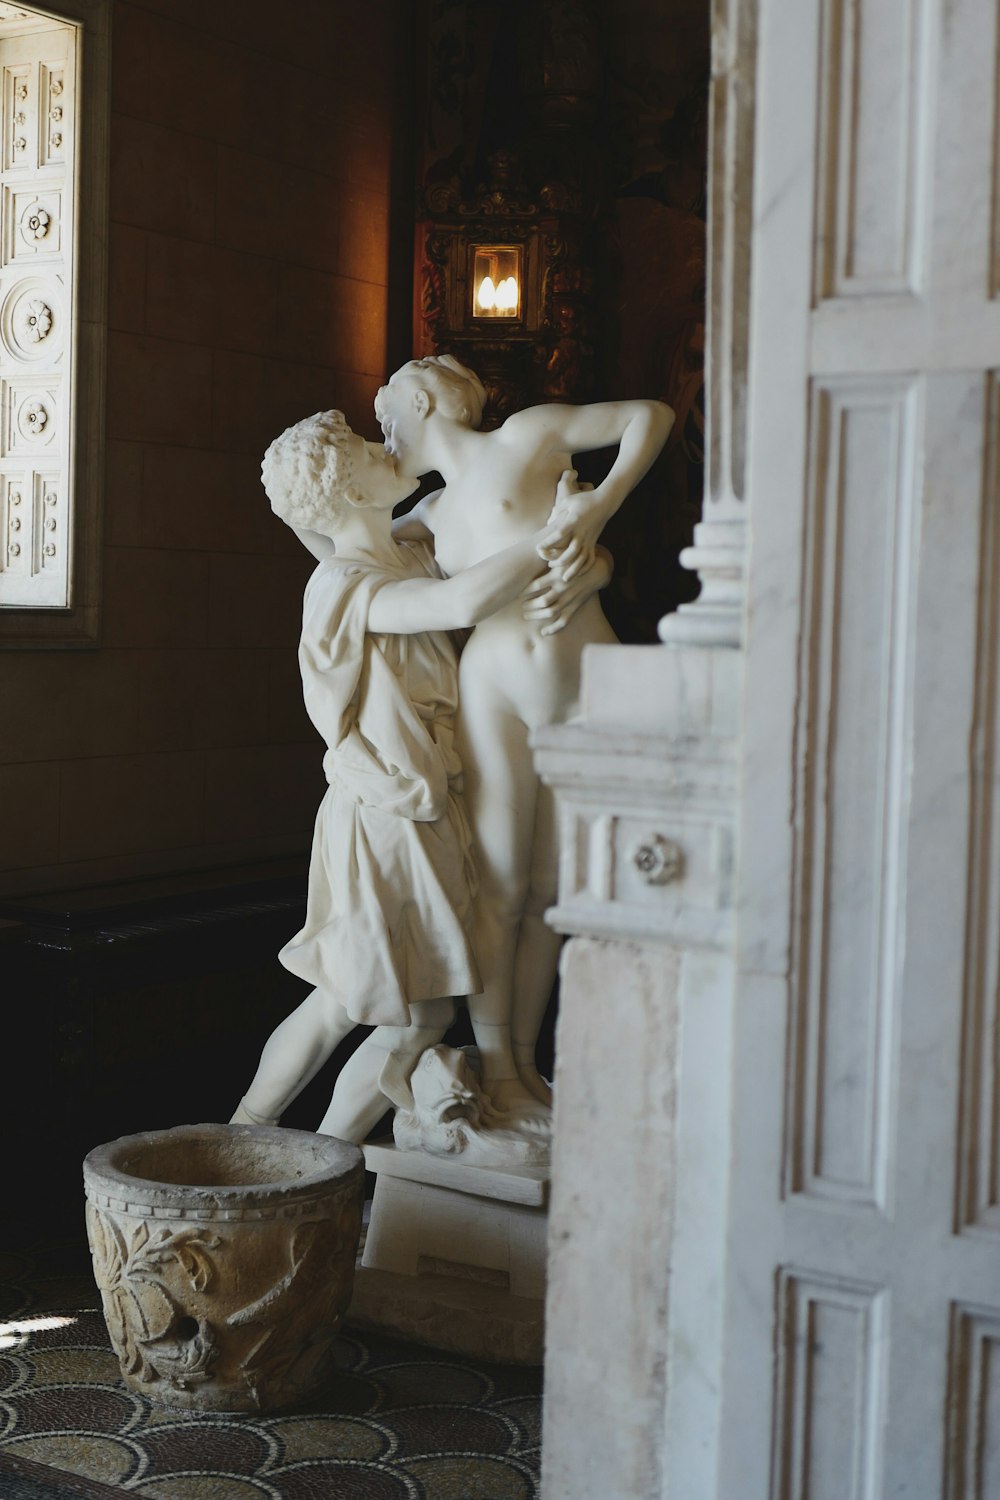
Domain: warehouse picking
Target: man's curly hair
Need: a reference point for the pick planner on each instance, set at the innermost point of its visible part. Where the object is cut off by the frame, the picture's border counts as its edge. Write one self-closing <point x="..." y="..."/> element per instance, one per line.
<point x="308" y="472"/>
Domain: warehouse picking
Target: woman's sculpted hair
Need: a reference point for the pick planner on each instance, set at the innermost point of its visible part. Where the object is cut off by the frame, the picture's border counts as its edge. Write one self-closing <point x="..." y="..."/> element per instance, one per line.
<point x="458" y="391"/>
<point x="308" y="472"/>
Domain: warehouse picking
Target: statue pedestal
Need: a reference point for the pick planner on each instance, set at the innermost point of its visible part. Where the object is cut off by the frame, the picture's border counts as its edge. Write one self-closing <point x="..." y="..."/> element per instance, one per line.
<point x="455" y="1255"/>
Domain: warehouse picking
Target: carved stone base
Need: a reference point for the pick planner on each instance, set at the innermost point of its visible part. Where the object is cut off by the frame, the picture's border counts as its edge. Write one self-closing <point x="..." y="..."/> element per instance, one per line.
<point x="225" y="1258"/>
<point x="455" y="1255"/>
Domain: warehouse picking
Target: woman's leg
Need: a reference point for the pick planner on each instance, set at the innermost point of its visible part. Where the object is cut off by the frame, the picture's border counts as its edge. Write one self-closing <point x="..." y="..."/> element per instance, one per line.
<point x="358" y="1103"/>
<point x="294" y="1053"/>
<point x="500" y="794"/>
<point x="537" y="959"/>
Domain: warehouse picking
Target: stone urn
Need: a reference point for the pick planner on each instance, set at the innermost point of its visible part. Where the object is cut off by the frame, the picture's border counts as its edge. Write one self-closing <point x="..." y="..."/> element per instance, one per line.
<point x="225" y="1258"/>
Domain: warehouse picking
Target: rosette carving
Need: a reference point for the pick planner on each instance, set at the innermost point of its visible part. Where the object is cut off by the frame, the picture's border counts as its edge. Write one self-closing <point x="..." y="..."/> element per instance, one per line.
<point x="33" y="417"/>
<point x="34" y="321"/>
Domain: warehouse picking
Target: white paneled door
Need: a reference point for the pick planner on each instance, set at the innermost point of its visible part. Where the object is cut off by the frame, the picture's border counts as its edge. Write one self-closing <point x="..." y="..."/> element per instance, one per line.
<point x="863" y="1313"/>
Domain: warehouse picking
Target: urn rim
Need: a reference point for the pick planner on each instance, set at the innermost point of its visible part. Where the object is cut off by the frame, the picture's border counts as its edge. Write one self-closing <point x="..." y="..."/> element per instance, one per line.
<point x="336" y="1165"/>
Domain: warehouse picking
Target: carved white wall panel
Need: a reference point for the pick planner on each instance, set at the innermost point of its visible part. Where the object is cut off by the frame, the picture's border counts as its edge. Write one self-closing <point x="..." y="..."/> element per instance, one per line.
<point x="979" y="1150"/>
<point x="851" y="765"/>
<point x="13" y="532"/>
<point x="14" y="13"/>
<point x="631" y="856"/>
<point x="32" y="320"/>
<point x="20" y="115"/>
<point x="994" y="227"/>
<point x="646" y="845"/>
<point x="974" y="1405"/>
<point x="36" y="300"/>
<point x="30" y="417"/>
<point x="869" y="134"/>
<point x="831" y="1389"/>
<point x="48" y="515"/>
<point x="32" y="225"/>
<point x="52" y="121"/>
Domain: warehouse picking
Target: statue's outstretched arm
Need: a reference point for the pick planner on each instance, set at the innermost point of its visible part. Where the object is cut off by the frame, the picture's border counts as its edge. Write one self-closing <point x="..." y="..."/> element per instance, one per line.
<point x="640" y="428"/>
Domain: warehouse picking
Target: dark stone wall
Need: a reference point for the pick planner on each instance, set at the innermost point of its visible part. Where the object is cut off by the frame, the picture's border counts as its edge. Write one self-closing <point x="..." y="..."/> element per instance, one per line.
<point x="254" y="278"/>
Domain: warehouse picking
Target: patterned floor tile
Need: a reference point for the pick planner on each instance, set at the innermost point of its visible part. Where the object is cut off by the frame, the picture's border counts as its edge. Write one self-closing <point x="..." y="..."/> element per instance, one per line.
<point x="396" y="1422"/>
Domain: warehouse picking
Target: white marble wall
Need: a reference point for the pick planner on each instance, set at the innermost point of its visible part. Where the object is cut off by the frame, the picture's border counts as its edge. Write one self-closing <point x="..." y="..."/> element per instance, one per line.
<point x="814" y="1246"/>
<point x="646" y="820"/>
<point x="619" y="1279"/>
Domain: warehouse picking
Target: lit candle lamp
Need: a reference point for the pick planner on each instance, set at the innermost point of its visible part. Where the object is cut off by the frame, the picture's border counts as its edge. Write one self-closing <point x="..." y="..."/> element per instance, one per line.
<point x="507" y="295"/>
<point x="496" y="282"/>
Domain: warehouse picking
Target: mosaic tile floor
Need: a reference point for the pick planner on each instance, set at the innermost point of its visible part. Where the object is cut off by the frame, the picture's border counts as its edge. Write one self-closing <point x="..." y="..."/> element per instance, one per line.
<point x="396" y="1423"/>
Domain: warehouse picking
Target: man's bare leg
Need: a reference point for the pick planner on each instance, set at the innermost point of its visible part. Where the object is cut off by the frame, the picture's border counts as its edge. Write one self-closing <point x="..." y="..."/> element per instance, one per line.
<point x="293" y="1054"/>
<point x="358" y="1103"/>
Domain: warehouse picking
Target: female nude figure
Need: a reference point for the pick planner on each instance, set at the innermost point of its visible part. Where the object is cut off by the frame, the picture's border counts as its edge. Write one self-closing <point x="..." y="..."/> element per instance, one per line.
<point x="514" y="678"/>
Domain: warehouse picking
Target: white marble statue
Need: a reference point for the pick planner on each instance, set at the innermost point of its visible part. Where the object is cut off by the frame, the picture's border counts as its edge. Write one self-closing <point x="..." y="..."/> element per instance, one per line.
<point x="388" y="932"/>
<point x="520" y="670"/>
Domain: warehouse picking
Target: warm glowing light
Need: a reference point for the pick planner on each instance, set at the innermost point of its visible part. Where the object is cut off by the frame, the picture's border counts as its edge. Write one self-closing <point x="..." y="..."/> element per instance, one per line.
<point x="496" y="281"/>
<point x="507" y="295"/>
<point x="11" y="1334"/>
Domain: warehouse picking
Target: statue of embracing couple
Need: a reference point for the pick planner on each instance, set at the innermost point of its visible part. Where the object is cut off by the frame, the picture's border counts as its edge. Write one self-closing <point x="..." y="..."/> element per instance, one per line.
<point x="434" y="854"/>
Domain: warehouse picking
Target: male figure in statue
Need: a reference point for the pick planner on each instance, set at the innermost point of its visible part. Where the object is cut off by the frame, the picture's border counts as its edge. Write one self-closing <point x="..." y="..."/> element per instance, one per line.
<point x="514" y="678"/>
<point x="387" y="937"/>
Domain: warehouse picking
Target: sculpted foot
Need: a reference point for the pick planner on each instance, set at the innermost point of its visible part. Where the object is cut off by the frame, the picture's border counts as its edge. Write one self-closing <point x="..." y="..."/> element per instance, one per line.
<point x="245" y="1116"/>
<point x="534" y="1084"/>
<point x="517" y="1108"/>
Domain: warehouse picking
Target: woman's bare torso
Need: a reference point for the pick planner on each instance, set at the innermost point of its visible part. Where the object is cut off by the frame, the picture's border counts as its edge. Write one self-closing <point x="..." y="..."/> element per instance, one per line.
<point x="503" y="497"/>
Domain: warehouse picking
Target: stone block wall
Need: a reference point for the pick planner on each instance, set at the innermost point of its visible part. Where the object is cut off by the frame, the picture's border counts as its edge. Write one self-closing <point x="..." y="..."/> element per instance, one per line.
<point x="250" y="269"/>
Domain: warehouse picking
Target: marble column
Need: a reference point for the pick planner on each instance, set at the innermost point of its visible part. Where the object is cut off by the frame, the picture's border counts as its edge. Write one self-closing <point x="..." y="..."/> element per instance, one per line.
<point x="647" y="787"/>
<point x="719" y="552"/>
